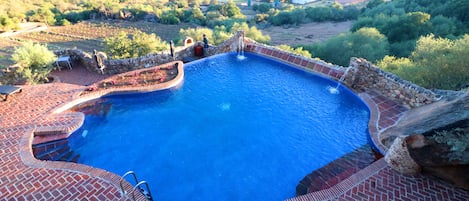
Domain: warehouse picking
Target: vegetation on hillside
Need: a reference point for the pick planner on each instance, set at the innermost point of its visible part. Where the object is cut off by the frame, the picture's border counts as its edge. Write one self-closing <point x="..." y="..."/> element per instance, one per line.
<point x="365" y="42"/>
<point x="139" y="44"/>
<point x="422" y="41"/>
<point x="288" y="14"/>
<point x="35" y="62"/>
<point x="435" y="63"/>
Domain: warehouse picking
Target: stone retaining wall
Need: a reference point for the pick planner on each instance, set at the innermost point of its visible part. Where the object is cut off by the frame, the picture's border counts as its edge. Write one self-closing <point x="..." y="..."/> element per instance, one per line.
<point x="116" y="66"/>
<point x="79" y="56"/>
<point x="365" y="76"/>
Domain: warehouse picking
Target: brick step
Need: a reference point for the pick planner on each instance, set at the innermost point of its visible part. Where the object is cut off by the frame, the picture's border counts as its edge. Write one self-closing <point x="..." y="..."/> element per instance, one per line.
<point x="53" y="153"/>
<point x="73" y="158"/>
<point x="43" y="147"/>
<point x="63" y="156"/>
<point x="58" y="150"/>
<point x="336" y="171"/>
<point x="69" y="156"/>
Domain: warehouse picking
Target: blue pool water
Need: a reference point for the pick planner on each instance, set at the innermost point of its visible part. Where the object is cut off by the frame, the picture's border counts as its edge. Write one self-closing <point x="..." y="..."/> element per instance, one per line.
<point x="234" y="130"/>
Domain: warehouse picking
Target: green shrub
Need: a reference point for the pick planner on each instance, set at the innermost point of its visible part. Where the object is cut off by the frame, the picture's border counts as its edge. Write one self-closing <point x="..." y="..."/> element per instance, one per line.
<point x="230" y="9"/>
<point x="60" y="21"/>
<point x="7" y="23"/>
<point x="197" y="16"/>
<point x="35" y="61"/>
<point x="197" y="34"/>
<point x="368" y="43"/>
<point x="264" y="7"/>
<point x="44" y="15"/>
<point x="169" y="18"/>
<point x="298" y="50"/>
<point x="394" y="64"/>
<point x="139" y="44"/>
<point x="435" y="63"/>
<point x="332" y="13"/>
<point x="261" y="17"/>
<point x="75" y="17"/>
<point x="402" y="48"/>
<point x="250" y="32"/>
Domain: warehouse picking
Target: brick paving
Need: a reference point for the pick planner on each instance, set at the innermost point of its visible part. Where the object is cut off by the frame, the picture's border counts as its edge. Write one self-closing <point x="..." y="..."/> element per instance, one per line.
<point x="22" y="177"/>
<point x="379" y="182"/>
<point x="78" y="75"/>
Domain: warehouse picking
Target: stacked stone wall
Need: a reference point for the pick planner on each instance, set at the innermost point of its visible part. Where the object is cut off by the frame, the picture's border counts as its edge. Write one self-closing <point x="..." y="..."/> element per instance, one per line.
<point x="80" y="56"/>
<point x="365" y="76"/>
<point x="116" y="66"/>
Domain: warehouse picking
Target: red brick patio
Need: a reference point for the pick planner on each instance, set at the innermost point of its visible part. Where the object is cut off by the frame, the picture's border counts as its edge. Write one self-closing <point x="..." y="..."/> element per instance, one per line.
<point x="22" y="177"/>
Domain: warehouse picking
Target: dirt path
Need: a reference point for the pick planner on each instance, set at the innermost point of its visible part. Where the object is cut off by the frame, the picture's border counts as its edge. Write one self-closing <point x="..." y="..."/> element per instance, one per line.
<point x="306" y="33"/>
<point x="26" y="28"/>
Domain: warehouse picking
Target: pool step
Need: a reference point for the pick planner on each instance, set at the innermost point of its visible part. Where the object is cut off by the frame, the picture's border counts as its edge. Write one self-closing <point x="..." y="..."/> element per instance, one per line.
<point x="58" y="150"/>
<point x="337" y="170"/>
<point x="53" y="153"/>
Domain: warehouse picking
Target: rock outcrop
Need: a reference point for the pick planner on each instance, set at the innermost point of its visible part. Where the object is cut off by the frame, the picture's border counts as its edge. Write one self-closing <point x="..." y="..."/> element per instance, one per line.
<point x="398" y="158"/>
<point x="450" y="110"/>
<point x="433" y="138"/>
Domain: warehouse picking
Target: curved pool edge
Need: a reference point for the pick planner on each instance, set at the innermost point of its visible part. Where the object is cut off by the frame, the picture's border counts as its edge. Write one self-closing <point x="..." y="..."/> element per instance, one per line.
<point x="26" y="140"/>
<point x="334" y="73"/>
<point x="127" y="90"/>
<point x="84" y="172"/>
<point x="373" y="129"/>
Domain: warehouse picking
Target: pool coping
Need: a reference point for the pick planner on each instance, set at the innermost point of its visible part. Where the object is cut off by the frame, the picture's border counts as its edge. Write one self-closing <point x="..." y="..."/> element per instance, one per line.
<point x="26" y="132"/>
<point x="129" y="89"/>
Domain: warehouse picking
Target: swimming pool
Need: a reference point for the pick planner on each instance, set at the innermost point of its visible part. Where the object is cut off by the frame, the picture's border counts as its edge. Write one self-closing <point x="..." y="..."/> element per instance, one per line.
<point x="234" y="130"/>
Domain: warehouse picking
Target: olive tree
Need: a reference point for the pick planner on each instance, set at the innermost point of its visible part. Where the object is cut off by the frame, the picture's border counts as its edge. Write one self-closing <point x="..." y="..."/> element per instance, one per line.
<point x="136" y="45"/>
<point x="435" y="63"/>
<point x="35" y="61"/>
<point x="298" y="50"/>
<point x="368" y="43"/>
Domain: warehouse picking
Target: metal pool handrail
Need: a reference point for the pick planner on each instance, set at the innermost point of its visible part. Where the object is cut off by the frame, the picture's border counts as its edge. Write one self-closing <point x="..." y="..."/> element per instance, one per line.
<point x="138" y="184"/>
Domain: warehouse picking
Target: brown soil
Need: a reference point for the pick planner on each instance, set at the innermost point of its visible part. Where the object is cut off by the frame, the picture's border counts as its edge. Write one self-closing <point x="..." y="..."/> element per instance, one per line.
<point x="306" y="34"/>
<point x="136" y="78"/>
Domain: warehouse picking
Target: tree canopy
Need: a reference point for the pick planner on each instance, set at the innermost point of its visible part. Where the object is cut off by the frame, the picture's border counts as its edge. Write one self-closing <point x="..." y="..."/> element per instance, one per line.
<point x="368" y="43"/>
<point x="35" y="61"/>
<point x="139" y="44"/>
<point x="435" y="63"/>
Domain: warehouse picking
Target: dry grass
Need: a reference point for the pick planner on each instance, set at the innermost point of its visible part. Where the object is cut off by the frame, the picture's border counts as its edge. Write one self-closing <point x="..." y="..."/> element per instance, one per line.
<point x="7" y="46"/>
<point x="306" y="33"/>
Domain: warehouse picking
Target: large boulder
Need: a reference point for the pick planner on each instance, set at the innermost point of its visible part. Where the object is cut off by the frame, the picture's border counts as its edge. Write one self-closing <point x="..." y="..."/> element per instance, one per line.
<point x="450" y="110"/>
<point x="444" y="154"/>
<point x="433" y="137"/>
<point x="398" y="158"/>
